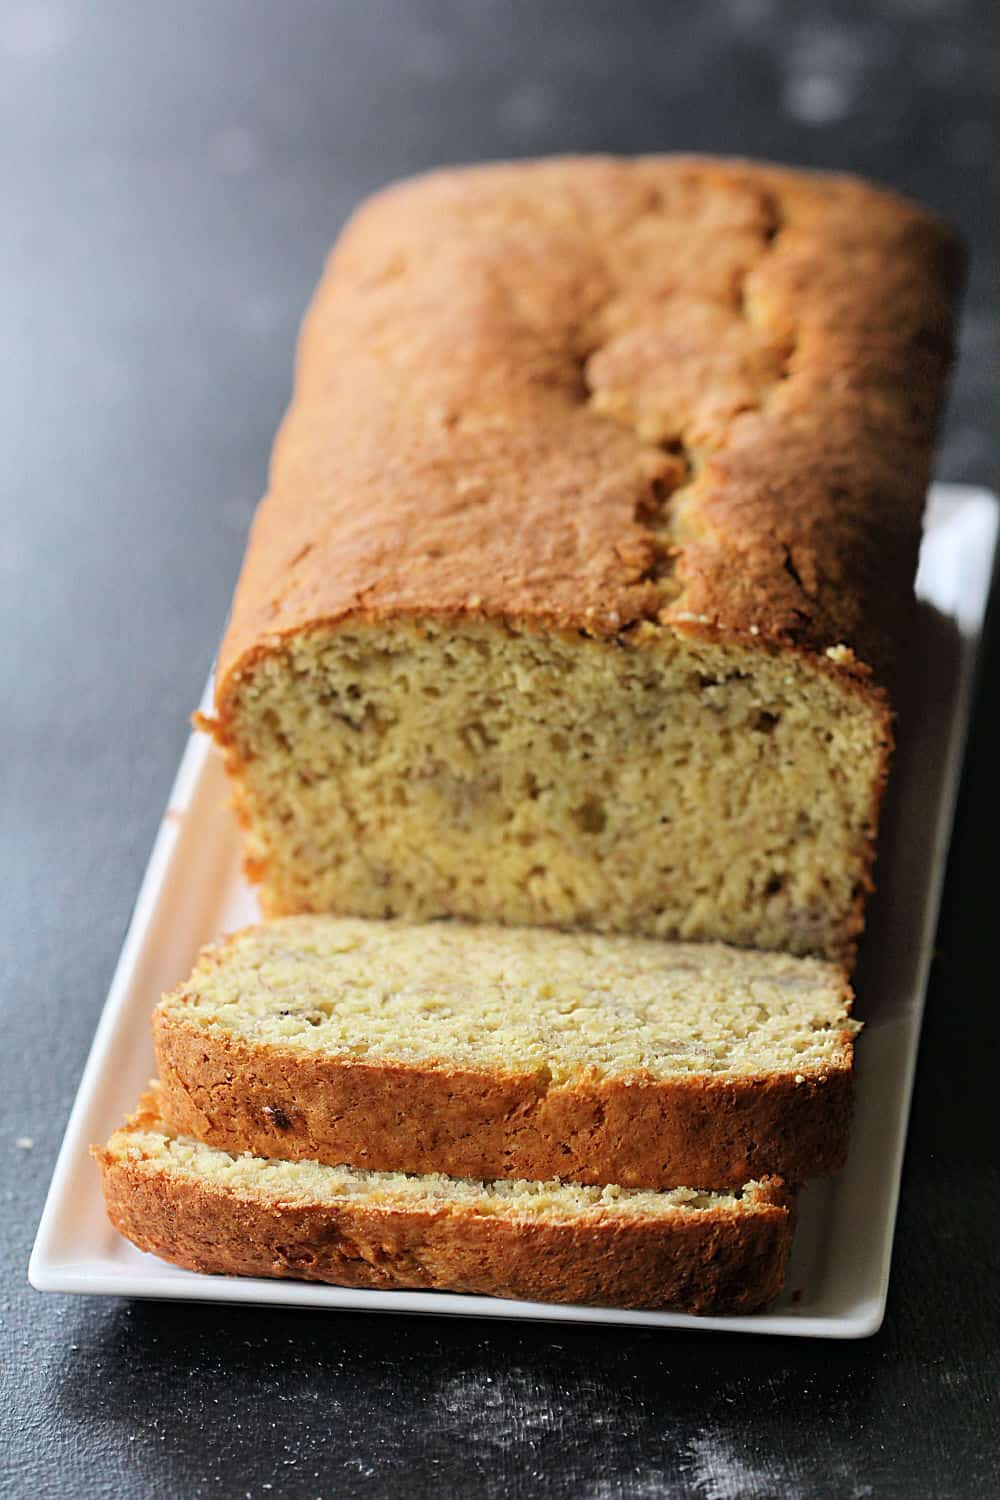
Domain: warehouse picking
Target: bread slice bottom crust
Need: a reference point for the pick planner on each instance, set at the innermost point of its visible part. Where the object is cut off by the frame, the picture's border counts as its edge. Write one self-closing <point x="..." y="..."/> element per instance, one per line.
<point x="706" y="1257"/>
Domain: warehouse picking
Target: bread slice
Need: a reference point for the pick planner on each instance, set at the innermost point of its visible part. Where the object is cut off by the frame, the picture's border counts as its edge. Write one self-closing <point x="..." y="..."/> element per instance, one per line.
<point x="211" y="1211"/>
<point x="589" y="542"/>
<point x="484" y="1051"/>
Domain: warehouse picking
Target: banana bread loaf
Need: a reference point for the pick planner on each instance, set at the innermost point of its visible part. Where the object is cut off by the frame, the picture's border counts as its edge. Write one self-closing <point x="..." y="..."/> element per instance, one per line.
<point x="498" y="1052"/>
<point x="590" y="537"/>
<point x="543" y="1241"/>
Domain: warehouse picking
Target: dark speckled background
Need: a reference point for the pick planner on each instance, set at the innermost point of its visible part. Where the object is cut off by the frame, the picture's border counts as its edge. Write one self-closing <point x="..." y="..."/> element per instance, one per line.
<point x="171" y="176"/>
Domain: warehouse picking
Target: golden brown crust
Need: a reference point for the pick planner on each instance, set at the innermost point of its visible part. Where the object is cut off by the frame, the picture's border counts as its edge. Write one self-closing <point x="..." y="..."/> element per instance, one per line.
<point x="707" y="1131"/>
<point x="578" y="394"/>
<point x="725" y="1260"/>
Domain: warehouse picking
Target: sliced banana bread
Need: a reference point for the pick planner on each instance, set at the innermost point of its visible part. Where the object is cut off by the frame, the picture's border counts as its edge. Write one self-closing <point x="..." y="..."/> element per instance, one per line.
<point x="485" y="1051"/>
<point x="210" y="1211"/>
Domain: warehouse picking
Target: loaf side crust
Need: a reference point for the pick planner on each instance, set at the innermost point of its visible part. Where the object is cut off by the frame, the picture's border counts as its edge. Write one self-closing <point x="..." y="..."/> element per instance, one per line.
<point x="724" y="1261"/>
<point x="706" y="1130"/>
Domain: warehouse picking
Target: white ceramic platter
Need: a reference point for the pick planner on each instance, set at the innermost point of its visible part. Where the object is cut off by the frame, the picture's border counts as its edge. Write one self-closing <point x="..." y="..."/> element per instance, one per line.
<point x="839" y="1274"/>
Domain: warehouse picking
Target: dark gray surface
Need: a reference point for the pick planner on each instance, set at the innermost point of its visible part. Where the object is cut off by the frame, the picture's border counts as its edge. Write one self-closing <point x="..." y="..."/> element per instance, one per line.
<point x="172" y="176"/>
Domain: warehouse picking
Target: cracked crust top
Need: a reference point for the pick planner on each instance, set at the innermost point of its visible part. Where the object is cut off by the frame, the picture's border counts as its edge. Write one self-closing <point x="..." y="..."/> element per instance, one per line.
<point x="589" y="393"/>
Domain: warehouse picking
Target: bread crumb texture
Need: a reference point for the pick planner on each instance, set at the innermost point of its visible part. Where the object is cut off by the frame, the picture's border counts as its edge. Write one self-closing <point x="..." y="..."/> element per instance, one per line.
<point x="568" y="1006"/>
<point x="667" y="788"/>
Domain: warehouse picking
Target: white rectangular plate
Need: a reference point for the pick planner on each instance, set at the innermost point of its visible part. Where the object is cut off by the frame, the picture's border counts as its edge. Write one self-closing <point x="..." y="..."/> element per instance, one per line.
<point x="839" y="1273"/>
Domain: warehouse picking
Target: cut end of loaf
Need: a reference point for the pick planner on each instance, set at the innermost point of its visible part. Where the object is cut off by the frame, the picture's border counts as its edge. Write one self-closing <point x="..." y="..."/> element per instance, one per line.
<point x="652" y="782"/>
